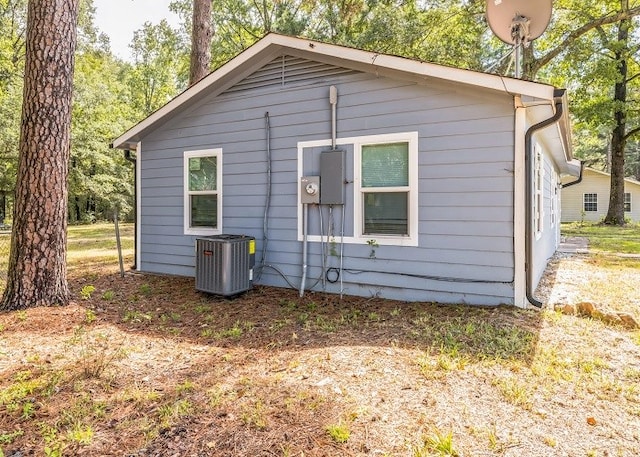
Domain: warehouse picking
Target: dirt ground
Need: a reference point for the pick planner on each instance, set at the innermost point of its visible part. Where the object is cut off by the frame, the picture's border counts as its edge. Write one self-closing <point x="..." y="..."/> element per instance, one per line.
<point x="146" y="366"/>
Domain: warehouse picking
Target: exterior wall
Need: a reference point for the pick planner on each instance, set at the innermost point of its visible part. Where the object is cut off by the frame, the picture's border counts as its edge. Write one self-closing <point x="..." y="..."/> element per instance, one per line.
<point x="465" y="158"/>
<point x="598" y="183"/>
<point x="546" y="242"/>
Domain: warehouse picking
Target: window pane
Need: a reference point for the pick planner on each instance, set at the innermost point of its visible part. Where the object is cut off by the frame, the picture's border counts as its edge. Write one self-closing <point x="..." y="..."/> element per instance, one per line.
<point x="204" y="211"/>
<point x="385" y="165"/>
<point x="627" y="202"/>
<point x="591" y="202"/>
<point x="386" y="213"/>
<point x="202" y="173"/>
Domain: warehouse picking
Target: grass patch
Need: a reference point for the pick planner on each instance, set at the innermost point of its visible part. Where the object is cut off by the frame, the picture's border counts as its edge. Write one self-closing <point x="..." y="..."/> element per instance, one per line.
<point x="437" y="443"/>
<point x="475" y="334"/>
<point x="606" y="238"/>
<point x="339" y="432"/>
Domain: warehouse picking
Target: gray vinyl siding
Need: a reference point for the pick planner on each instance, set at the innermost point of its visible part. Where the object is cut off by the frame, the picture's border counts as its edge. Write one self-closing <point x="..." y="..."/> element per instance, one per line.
<point x="465" y="184"/>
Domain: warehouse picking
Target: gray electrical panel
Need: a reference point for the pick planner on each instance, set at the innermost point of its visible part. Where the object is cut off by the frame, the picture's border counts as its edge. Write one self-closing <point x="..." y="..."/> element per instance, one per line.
<point x="332" y="177"/>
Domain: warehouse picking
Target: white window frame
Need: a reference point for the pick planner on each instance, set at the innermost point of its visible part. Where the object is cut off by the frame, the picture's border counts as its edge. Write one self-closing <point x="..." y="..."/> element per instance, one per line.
<point x="188" y="229"/>
<point x="411" y="138"/>
<point x="584" y="202"/>
<point x="538" y="198"/>
<point x="624" y="201"/>
<point x="554" y="198"/>
<point x="357" y="143"/>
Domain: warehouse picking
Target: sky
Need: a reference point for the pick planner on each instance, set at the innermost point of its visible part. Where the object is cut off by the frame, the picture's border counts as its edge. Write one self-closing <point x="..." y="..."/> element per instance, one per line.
<point x="120" y="18"/>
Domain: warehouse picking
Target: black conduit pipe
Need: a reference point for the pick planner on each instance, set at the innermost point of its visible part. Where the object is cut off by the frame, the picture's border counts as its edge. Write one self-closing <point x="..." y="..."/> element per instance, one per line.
<point x="529" y="190"/>
<point x="130" y="158"/>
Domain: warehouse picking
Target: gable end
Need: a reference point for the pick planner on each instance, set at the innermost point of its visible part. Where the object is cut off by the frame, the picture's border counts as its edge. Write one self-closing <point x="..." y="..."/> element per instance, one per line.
<point x="286" y="70"/>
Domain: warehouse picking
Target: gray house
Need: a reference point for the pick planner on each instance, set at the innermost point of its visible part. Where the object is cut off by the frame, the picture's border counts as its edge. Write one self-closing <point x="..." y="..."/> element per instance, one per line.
<point x="361" y="173"/>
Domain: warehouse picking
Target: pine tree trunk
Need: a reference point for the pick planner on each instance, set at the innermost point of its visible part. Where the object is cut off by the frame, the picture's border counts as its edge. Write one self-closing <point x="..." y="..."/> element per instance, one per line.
<point x="201" y="35"/>
<point x="37" y="263"/>
<point x="615" y="213"/>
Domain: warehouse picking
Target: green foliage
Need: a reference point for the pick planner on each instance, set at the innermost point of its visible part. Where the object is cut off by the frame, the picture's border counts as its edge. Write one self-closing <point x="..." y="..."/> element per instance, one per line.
<point x="86" y="291"/>
<point x="339" y="433"/>
<point x="158" y="72"/>
<point x="7" y="438"/>
<point x="100" y="179"/>
<point x="437" y="444"/>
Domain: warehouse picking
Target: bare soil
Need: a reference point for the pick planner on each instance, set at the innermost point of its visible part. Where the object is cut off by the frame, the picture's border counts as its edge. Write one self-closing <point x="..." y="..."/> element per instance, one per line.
<point x="146" y="366"/>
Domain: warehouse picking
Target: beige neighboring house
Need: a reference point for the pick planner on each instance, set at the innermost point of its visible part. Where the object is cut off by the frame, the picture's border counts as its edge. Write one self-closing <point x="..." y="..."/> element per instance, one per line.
<point x="589" y="200"/>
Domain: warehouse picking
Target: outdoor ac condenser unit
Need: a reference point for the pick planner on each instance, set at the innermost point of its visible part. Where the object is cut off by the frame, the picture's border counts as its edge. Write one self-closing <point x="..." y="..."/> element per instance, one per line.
<point x="224" y="264"/>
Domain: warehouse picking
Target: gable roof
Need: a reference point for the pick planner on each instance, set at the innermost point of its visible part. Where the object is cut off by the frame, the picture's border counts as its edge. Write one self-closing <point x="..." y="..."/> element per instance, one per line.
<point x="608" y="175"/>
<point x="275" y="45"/>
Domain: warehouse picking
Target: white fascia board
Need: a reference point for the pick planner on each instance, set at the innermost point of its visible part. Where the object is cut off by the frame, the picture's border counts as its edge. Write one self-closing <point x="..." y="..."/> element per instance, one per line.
<point x="469" y="77"/>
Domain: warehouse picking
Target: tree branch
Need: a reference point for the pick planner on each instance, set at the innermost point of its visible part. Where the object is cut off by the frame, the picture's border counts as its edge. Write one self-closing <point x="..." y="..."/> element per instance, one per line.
<point x="577" y="33"/>
<point x="631" y="133"/>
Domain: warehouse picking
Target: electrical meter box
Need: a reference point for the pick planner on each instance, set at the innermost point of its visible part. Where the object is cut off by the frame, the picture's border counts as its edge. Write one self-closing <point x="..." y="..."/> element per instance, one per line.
<point x="310" y="189"/>
<point x="224" y="264"/>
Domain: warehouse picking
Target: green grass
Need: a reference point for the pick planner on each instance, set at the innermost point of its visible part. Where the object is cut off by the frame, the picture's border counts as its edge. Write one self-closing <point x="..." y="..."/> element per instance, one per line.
<point x="93" y="244"/>
<point x="606" y="238"/>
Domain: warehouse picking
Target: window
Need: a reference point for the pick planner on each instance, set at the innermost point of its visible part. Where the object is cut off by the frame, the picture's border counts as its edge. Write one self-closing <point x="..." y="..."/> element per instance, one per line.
<point x="203" y="192"/>
<point x="554" y="198"/>
<point x="627" y="202"/>
<point x="590" y="202"/>
<point x="385" y="189"/>
<point x="538" y="201"/>
<point x="386" y="194"/>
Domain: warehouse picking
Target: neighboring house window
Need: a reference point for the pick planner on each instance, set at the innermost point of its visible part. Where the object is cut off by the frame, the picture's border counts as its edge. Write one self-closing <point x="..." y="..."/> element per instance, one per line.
<point x="627" y="202"/>
<point x="590" y="202"/>
<point x="203" y="192"/>
<point x="386" y="198"/>
<point x="538" y="204"/>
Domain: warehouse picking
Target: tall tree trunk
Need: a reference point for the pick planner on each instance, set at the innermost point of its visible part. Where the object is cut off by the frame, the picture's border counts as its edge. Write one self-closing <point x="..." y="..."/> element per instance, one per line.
<point x="615" y="213"/>
<point x="37" y="263"/>
<point x="201" y="35"/>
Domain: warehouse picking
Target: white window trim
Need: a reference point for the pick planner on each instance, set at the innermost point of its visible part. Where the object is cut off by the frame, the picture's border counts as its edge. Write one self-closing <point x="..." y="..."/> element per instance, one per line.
<point x="357" y="143"/>
<point x="188" y="230"/>
<point x="412" y="188"/>
<point x="624" y="201"/>
<point x="554" y="198"/>
<point x="538" y="198"/>
<point x="584" y="202"/>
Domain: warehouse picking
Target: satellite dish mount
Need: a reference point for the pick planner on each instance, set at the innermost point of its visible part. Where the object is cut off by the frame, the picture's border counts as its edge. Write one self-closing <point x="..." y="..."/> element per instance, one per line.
<point x="518" y="23"/>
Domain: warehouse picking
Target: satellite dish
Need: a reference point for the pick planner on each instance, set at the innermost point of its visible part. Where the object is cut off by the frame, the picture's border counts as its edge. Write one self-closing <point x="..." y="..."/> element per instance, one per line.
<point x="518" y="22"/>
<point x="501" y="15"/>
